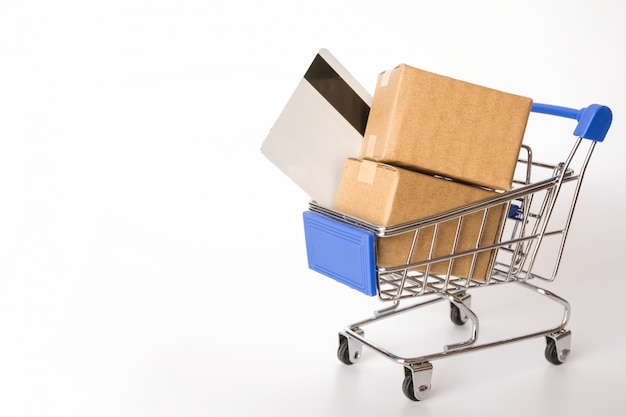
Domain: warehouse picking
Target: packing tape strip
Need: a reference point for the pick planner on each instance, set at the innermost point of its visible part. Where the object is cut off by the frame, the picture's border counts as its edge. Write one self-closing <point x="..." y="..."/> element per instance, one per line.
<point x="385" y="78"/>
<point x="367" y="172"/>
<point x="371" y="146"/>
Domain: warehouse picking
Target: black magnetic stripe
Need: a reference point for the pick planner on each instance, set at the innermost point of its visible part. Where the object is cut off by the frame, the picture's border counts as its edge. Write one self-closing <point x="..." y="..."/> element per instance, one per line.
<point x="338" y="93"/>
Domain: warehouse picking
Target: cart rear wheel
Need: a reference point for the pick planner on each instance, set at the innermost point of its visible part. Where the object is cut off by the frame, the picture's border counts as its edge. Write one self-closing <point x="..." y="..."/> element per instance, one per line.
<point x="456" y="315"/>
<point x="552" y="353"/>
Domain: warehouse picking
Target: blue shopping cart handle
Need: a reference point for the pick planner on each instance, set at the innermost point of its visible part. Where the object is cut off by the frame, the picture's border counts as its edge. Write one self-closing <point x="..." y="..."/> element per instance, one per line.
<point x="594" y="121"/>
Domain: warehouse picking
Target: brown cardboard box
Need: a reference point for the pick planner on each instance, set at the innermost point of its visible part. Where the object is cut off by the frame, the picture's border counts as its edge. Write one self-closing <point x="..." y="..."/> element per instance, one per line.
<point x="385" y="196"/>
<point x="436" y="124"/>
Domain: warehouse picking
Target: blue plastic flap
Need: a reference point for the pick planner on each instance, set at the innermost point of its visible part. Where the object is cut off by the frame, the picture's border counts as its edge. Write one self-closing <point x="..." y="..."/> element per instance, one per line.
<point x="341" y="251"/>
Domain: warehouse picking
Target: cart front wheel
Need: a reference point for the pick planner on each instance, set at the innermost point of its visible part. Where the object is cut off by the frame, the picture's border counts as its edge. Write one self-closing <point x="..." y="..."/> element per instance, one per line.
<point x="343" y="352"/>
<point x="417" y="376"/>
<point x="407" y="388"/>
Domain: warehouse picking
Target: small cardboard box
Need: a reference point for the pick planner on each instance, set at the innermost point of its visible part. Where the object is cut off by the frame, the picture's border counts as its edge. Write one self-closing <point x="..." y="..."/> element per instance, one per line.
<point x="436" y="124"/>
<point x="385" y="195"/>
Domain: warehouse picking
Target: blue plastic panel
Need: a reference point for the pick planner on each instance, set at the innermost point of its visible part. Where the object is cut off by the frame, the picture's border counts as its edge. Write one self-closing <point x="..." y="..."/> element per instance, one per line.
<point x="340" y="251"/>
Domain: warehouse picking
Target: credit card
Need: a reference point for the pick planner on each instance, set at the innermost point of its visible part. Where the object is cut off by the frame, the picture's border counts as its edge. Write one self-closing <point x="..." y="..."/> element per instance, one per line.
<point x="321" y="125"/>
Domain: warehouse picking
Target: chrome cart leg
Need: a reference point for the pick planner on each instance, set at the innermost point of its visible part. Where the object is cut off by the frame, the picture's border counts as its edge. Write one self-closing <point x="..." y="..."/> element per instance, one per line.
<point x="461" y="302"/>
<point x="350" y="350"/>
<point x="417" y="378"/>
<point x="388" y="310"/>
<point x="558" y="346"/>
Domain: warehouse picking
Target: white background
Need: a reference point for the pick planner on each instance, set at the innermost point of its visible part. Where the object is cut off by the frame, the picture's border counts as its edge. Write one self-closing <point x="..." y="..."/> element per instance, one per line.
<point x="152" y="261"/>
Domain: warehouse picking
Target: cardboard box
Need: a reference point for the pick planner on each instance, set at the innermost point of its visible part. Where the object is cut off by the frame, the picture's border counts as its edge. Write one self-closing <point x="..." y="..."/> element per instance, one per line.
<point x="385" y="195"/>
<point x="436" y="124"/>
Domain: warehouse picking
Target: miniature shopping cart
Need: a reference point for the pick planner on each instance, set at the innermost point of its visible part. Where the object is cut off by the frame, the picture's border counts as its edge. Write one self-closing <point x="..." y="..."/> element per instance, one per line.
<point x="537" y="216"/>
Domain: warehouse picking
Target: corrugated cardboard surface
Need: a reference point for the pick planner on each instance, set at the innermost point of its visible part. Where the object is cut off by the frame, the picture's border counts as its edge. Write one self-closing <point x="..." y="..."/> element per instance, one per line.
<point x="432" y="123"/>
<point x="386" y="195"/>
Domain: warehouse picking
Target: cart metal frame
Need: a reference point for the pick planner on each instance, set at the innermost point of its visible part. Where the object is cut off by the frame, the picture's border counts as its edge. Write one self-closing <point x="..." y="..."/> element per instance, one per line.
<point x="532" y="208"/>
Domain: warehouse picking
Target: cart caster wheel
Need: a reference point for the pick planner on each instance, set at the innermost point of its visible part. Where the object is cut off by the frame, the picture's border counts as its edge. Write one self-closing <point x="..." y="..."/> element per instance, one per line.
<point x="349" y="352"/>
<point x="551" y="353"/>
<point x="558" y="347"/>
<point x="407" y="388"/>
<point x="417" y="377"/>
<point x="456" y="315"/>
<point x="343" y="352"/>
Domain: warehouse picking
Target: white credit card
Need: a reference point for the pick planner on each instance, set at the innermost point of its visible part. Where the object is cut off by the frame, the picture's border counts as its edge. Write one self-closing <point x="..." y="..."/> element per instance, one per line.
<point x="321" y="125"/>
